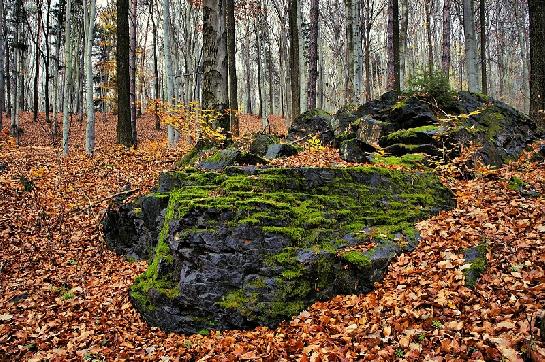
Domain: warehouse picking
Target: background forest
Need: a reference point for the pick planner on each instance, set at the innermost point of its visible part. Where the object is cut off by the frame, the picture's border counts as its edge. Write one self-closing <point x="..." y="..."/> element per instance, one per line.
<point x="61" y="55"/>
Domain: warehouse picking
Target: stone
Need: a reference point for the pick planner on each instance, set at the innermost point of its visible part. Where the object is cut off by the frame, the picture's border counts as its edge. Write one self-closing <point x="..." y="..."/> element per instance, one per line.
<point x="239" y="250"/>
<point x="3" y="167"/>
<point x="476" y="258"/>
<point x="418" y="135"/>
<point x="401" y="149"/>
<point x="371" y="130"/>
<point x="220" y="160"/>
<point x="357" y="151"/>
<point x="261" y="143"/>
<point x="280" y="150"/>
<point x="312" y="123"/>
<point x="411" y="113"/>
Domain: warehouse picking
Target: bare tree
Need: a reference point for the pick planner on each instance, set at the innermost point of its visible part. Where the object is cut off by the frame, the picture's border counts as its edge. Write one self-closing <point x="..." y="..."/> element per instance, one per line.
<point x="470" y="46"/>
<point x="394" y="77"/>
<point x="124" y="127"/>
<point x="294" y="59"/>
<point x="445" y="58"/>
<point x="537" y="59"/>
<point x="68" y="86"/>
<point x="313" y="55"/>
<point x="89" y="36"/>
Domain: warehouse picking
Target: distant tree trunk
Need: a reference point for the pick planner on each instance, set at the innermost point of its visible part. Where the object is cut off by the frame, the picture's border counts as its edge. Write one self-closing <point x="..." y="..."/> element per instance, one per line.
<point x="445" y="59"/>
<point x="67" y="77"/>
<point x="470" y="46"/>
<point x="313" y="55"/>
<point x="167" y="62"/>
<point x="537" y="59"/>
<point x="428" y="9"/>
<point x="215" y="73"/>
<point x="482" y="18"/>
<point x="156" y="92"/>
<point x="2" y="68"/>
<point x="124" y="128"/>
<point x="394" y="79"/>
<point x="368" y="26"/>
<point x="47" y="62"/>
<point x="259" y="71"/>
<point x="358" y="51"/>
<point x="55" y="131"/>
<point x="349" y="35"/>
<point x="248" y="65"/>
<point x="37" y="60"/>
<point x="132" y="68"/>
<point x="403" y="34"/>
<point x="294" y="60"/>
<point x="89" y="36"/>
<point x="232" y="68"/>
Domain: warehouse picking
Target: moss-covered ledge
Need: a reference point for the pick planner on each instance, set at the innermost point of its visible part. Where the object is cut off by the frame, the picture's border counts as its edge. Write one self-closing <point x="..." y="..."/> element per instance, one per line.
<point x="246" y="248"/>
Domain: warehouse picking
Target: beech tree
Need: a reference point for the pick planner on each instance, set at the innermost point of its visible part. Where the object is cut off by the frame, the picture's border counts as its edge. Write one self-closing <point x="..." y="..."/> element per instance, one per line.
<point x="89" y="82"/>
<point x="537" y="58"/>
<point x="394" y="76"/>
<point x="470" y="46"/>
<point x="294" y="59"/>
<point x="68" y="82"/>
<point x="124" y="127"/>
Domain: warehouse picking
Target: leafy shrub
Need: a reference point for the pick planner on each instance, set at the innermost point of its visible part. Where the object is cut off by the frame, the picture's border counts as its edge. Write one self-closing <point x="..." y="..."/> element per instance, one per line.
<point x="435" y="85"/>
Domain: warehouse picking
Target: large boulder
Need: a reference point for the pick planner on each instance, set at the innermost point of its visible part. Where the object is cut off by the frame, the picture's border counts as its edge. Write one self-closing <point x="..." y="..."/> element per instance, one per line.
<point x="312" y="123"/>
<point x="252" y="246"/>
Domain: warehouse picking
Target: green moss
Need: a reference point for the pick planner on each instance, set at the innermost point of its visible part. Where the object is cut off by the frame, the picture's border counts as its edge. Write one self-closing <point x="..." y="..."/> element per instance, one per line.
<point x="516" y="184"/>
<point x="357" y="258"/>
<point x="403" y="135"/>
<point x="477" y="266"/>
<point x="400" y="104"/>
<point x="493" y="122"/>
<point x="412" y="160"/>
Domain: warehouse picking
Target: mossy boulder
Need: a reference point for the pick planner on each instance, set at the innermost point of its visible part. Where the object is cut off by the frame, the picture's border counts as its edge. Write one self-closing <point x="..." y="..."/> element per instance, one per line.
<point x="315" y="122"/>
<point x="252" y="247"/>
<point x="261" y="143"/>
<point x="476" y="258"/>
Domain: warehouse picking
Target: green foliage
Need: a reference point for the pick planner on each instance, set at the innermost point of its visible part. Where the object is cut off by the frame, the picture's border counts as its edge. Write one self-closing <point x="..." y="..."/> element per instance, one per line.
<point x="358" y="258"/>
<point x="435" y="85"/>
<point x="437" y="324"/>
<point x="477" y="266"/>
<point x="67" y="296"/>
<point x="399" y="353"/>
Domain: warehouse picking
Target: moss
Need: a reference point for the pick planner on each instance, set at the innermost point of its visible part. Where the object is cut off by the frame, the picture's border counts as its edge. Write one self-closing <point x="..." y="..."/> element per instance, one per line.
<point x="357" y="258"/>
<point x="493" y="122"/>
<point x="516" y="184"/>
<point x="399" y="104"/>
<point x="403" y="135"/>
<point x="477" y="265"/>
<point x="413" y="160"/>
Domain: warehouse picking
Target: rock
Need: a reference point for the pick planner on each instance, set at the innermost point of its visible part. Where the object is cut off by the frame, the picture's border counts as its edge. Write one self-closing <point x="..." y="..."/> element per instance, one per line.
<point x="248" y="158"/>
<point x="418" y="135"/>
<point x="476" y="258"/>
<point x="312" y="123"/>
<point x="220" y="160"/>
<point x="344" y="125"/>
<point x="355" y="150"/>
<point x="261" y="143"/>
<point x="371" y="130"/>
<point x="400" y="149"/>
<point x="411" y="113"/>
<point x="280" y="150"/>
<point x="3" y="167"/>
<point x="237" y="251"/>
<point x="132" y="229"/>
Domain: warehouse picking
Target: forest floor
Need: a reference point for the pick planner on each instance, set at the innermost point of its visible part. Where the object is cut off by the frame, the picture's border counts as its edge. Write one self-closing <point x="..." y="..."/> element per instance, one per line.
<point x="63" y="294"/>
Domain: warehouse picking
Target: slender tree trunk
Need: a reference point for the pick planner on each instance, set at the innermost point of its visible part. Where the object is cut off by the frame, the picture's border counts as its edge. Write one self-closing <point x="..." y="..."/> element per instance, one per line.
<point x="349" y="34"/>
<point x="215" y="73"/>
<point x="482" y="17"/>
<point x="167" y="62"/>
<point x="537" y="59"/>
<point x="55" y="130"/>
<point x="470" y="47"/>
<point x="428" y="5"/>
<point x="47" y="62"/>
<point x="157" y="88"/>
<point x="249" y="108"/>
<point x="89" y="36"/>
<point x="259" y="71"/>
<point x="124" y="128"/>
<point x="68" y="86"/>
<point x="9" y="75"/>
<point x="394" y="79"/>
<point x="294" y="59"/>
<point x="132" y="68"/>
<point x="445" y="58"/>
<point x="403" y="35"/>
<point x="37" y="60"/>
<point x="2" y="68"/>
<point x="232" y="71"/>
<point x="313" y="55"/>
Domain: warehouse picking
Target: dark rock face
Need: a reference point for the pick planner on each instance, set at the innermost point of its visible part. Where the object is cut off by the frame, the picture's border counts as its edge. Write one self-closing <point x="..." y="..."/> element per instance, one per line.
<point x="355" y="150"/>
<point x="256" y="246"/>
<point x="410" y="125"/>
<point x="312" y="123"/>
<point x="220" y="160"/>
<point x="280" y="150"/>
<point x="261" y="143"/>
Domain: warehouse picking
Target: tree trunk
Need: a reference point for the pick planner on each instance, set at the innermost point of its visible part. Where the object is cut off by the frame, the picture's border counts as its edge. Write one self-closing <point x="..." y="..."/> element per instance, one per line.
<point x="470" y="47"/>
<point x="482" y="18"/>
<point x="67" y="77"/>
<point x="124" y="128"/>
<point x="258" y="60"/>
<point x="2" y="68"/>
<point x="394" y="79"/>
<point x="215" y="73"/>
<point x="349" y="34"/>
<point x="537" y="59"/>
<point x="47" y="62"/>
<point x="313" y="55"/>
<point x="403" y="35"/>
<point x="156" y="94"/>
<point x="37" y="60"/>
<point x="294" y="60"/>
<point x="132" y="68"/>
<point x="445" y="59"/>
<point x="89" y="36"/>
<point x="428" y="7"/>
<point x="232" y="70"/>
<point x="167" y="62"/>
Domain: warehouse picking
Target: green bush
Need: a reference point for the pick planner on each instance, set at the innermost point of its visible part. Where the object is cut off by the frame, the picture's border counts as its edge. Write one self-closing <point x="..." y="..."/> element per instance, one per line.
<point x="435" y="85"/>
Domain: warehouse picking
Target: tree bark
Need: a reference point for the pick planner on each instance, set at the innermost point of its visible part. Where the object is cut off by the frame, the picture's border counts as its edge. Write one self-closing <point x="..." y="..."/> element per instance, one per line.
<point x="349" y="34"/>
<point x="215" y="73"/>
<point x="89" y="83"/>
<point x="156" y="92"/>
<point x="537" y="59"/>
<point x="428" y="8"/>
<point x="445" y="58"/>
<point x="482" y="18"/>
<point x="470" y="47"/>
<point x="403" y="35"/>
<point x="394" y="78"/>
<point x="167" y="62"/>
<point x="313" y="55"/>
<point x="124" y="128"/>
<point x="294" y="60"/>
<point x="2" y="68"/>
<point x="232" y="68"/>
<point x="132" y="68"/>
<point x="37" y="61"/>
<point x="68" y="86"/>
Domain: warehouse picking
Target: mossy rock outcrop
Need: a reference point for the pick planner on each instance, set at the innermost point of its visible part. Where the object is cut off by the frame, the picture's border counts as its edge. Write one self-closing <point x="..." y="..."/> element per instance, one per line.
<point x="250" y="246"/>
